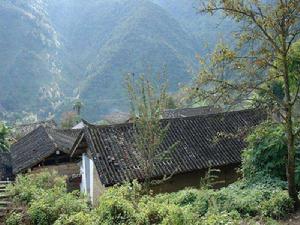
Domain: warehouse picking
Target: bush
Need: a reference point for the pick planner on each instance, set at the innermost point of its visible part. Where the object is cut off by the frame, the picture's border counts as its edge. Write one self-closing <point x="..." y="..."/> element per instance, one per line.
<point x="14" y="219"/>
<point x="257" y="199"/>
<point x="278" y="205"/>
<point x="196" y="201"/>
<point x="81" y="218"/>
<point x="223" y="218"/>
<point x="127" y="206"/>
<point x="48" y="207"/>
<point x="261" y="200"/>
<point x="115" y="210"/>
<point x="28" y="187"/>
<point x="267" y="152"/>
<point x="46" y="198"/>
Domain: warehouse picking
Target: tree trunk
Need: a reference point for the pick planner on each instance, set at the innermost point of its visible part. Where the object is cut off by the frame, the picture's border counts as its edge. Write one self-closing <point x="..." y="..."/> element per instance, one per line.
<point x="290" y="170"/>
<point x="291" y="167"/>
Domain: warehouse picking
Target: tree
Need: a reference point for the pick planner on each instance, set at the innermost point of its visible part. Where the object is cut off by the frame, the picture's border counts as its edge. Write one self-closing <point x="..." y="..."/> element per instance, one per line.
<point x="4" y="144"/>
<point x="148" y="103"/>
<point x="260" y="58"/>
<point x="77" y="106"/>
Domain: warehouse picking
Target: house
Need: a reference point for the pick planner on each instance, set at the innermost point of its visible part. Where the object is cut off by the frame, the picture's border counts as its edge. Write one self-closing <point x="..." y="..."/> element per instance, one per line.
<point x="213" y="140"/>
<point x="23" y="129"/>
<point x="47" y="148"/>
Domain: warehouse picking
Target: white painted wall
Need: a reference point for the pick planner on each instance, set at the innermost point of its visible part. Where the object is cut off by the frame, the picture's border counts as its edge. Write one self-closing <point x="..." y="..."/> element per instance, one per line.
<point x="87" y="176"/>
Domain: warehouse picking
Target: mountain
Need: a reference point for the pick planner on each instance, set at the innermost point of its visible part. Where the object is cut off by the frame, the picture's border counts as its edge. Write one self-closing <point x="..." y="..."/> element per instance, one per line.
<point x="29" y="74"/>
<point x="53" y="51"/>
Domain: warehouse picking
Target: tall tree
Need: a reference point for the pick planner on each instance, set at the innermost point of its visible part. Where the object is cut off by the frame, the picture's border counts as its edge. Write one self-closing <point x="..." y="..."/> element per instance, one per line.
<point x="148" y="103"/>
<point x="77" y="106"/>
<point x="4" y="144"/>
<point x="257" y="61"/>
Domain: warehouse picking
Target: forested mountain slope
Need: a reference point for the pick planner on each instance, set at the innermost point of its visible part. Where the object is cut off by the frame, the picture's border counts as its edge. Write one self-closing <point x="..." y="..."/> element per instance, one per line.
<point x="55" y="50"/>
<point x="29" y="75"/>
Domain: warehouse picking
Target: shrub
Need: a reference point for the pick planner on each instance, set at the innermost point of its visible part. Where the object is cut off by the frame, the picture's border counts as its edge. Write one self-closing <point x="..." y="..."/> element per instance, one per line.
<point x="278" y="205"/>
<point x="193" y="199"/>
<point x="222" y="218"/>
<point x="127" y="206"/>
<point x="28" y="187"/>
<point x="14" y="219"/>
<point x="115" y="210"/>
<point x="258" y="200"/>
<point x="46" y="197"/>
<point x="81" y="218"/>
<point x="267" y="152"/>
<point x="152" y="212"/>
<point x="48" y="207"/>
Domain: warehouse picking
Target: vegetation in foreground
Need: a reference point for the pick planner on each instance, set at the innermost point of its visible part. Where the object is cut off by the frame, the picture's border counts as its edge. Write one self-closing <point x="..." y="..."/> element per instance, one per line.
<point x="44" y="201"/>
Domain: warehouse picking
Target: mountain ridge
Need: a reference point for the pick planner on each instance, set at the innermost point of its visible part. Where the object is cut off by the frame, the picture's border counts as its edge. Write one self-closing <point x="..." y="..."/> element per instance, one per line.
<point x="70" y="49"/>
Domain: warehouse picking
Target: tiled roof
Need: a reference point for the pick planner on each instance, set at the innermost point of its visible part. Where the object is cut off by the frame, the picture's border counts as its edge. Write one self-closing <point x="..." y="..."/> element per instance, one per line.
<point x="39" y="144"/>
<point x="116" y="159"/>
<point x="187" y="112"/>
<point x="23" y="129"/>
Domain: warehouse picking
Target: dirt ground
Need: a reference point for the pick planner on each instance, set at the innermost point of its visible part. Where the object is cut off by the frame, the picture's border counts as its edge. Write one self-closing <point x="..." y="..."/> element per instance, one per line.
<point x="294" y="219"/>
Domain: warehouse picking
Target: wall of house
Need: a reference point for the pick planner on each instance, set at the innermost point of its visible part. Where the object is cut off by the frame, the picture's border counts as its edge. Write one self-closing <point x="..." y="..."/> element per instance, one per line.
<point x="85" y="174"/>
<point x="226" y="176"/>
<point x="70" y="170"/>
<point x="98" y="188"/>
<point x="66" y="169"/>
<point x="90" y="182"/>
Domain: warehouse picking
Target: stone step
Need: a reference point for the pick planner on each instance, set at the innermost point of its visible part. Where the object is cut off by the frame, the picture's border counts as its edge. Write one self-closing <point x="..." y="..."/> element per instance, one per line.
<point x="3" y="191"/>
<point x="3" y="186"/>
<point x="4" y="204"/>
<point x="5" y="182"/>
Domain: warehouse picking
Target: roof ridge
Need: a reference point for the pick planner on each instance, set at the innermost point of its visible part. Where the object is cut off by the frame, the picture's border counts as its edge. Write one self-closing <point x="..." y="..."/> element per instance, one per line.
<point x="89" y="125"/>
<point x="37" y="122"/>
<point x="50" y="136"/>
<point x="199" y="107"/>
<point x="25" y="136"/>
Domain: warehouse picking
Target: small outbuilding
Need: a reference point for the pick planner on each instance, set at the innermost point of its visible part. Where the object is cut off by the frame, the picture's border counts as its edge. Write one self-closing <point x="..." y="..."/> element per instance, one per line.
<point x="47" y="148"/>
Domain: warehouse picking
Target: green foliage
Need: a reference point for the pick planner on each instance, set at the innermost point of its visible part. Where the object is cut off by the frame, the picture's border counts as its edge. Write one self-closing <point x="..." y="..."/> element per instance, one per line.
<point x="252" y="201"/>
<point x="223" y="218"/>
<point x="277" y="205"/>
<point x="148" y="102"/>
<point x="29" y="187"/>
<point x="81" y="218"/>
<point x="4" y="144"/>
<point x="49" y="205"/>
<point x="14" y="219"/>
<point x="91" y="62"/>
<point x="127" y="205"/>
<point x="231" y="204"/>
<point x="46" y="198"/>
<point x="266" y="153"/>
